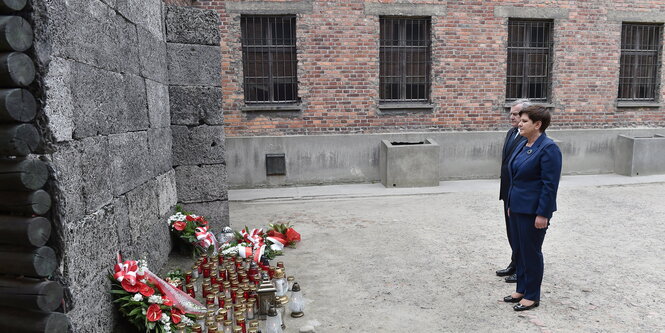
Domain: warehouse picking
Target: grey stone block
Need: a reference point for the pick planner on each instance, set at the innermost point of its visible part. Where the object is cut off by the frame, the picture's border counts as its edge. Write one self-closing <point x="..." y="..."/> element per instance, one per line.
<point x="96" y="299"/>
<point x="191" y="104"/>
<point x="68" y="198"/>
<point x="201" y="183"/>
<point x="100" y="109"/>
<point x="409" y="165"/>
<point x="149" y="234"/>
<point x="158" y="104"/>
<point x="198" y="145"/>
<point x="121" y="224"/>
<point x="152" y="56"/>
<point x="167" y="193"/>
<point x="59" y="109"/>
<point x="144" y="13"/>
<point x="636" y="16"/>
<point x="270" y="7"/>
<point x="159" y="144"/>
<point x="194" y="64"/>
<point x="190" y="25"/>
<point x="93" y="33"/>
<point x="90" y="248"/>
<point x="531" y="12"/>
<point x="128" y="153"/>
<point x="216" y="212"/>
<point x="95" y="171"/>
<point x="410" y="9"/>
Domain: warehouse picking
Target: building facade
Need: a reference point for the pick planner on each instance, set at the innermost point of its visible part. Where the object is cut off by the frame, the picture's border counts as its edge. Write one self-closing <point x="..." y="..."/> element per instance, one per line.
<point x="303" y="69"/>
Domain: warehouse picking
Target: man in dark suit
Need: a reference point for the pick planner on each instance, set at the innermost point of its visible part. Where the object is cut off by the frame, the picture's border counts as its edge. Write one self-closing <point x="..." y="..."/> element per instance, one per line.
<point x="512" y="140"/>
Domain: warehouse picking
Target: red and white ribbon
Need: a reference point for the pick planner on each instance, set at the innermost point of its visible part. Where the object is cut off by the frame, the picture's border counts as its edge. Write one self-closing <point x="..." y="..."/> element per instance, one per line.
<point x="205" y="238"/>
<point x="127" y="270"/>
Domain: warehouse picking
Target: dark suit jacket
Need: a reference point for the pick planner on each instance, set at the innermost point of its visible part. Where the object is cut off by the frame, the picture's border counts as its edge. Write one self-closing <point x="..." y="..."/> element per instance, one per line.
<point x="505" y="156"/>
<point x="535" y="180"/>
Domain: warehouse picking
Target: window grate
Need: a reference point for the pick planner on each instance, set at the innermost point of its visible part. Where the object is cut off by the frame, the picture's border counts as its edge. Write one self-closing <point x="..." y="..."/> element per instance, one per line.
<point x="269" y="59"/>
<point x="529" y="64"/>
<point x="404" y="59"/>
<point x="639" y="64"/>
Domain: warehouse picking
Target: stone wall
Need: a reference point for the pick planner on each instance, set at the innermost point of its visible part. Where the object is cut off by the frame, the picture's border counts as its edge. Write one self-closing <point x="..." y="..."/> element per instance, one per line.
<point x="103" y="66"/>
<point x="193" y="57"/>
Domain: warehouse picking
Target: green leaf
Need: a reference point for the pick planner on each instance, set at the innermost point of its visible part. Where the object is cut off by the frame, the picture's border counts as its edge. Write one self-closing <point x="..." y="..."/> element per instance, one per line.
<point x="119" y="292"/>
<point x="135" y="312"/>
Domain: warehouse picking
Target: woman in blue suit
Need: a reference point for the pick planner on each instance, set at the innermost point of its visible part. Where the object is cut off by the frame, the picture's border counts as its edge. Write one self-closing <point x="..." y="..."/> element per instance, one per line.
<point x="535" y="169"/>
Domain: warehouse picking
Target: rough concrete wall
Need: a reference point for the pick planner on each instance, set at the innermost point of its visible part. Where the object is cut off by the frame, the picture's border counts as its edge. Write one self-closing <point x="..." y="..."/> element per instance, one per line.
<point x="196" y="112"/>
<point x="334" y="159"/>
<point x="338" y="65"/>
<point x="106" y="114"/>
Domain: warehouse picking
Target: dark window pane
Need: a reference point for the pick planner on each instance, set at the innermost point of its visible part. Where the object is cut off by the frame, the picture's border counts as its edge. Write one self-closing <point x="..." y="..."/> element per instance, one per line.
<point x="639" y="61"/>
<point x="404" y="59"/>
<point x="529" y="59"/>
<point x="269" y="58"/>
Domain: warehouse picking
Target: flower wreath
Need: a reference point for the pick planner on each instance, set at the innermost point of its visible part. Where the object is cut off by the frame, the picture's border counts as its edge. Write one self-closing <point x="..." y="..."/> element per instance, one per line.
<point x="193" y="230"/>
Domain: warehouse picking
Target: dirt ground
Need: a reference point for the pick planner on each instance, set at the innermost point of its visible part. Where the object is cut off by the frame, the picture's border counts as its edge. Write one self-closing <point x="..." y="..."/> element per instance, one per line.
<point x="425" y="263"/>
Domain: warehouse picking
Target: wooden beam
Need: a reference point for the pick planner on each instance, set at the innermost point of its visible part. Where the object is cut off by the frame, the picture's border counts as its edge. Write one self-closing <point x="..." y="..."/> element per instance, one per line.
<point x="28" y="203"/>
<point x="15" y="34"/>
<point x="16" y="70"/>
<point x="22" y="175"/>
<point x="39" y="262"/>
<point x="31" y="294"/>
<point x="17" y="105"/>
<point x="24" y="231"/>
<point x="18" y="140"/>
<point x="21" y="321"/>
<point x="9" y="6"/>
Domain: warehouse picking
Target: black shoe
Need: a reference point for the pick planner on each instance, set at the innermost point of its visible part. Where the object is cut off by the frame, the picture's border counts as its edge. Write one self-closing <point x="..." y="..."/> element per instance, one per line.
<point x="506" y="271"/>
<point x="512" y="278"/>
<point x="520" y="307"/>
<point x="511" y="299"/>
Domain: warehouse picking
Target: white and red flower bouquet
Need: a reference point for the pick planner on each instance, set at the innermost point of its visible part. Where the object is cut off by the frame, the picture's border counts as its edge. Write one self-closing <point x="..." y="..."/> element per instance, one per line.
<point x="194" y="231"/>
<point x="257" y="243"/>
<point x="148" y="302"/>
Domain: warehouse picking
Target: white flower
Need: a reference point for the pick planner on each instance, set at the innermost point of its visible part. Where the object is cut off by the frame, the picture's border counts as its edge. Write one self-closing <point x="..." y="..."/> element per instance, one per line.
<point x="165" y="318"/>
<point x="155" y="299"/>
<point x="137" y="297"/>
<point x="143" y="311"/>
<point x="167" y="327"/>
<point x="185" y="320"/>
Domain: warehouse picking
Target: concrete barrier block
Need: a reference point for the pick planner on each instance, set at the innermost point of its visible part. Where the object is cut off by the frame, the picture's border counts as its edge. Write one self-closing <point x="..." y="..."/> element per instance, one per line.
<point x="640" y="155"/>
<point x="409" y="164"/>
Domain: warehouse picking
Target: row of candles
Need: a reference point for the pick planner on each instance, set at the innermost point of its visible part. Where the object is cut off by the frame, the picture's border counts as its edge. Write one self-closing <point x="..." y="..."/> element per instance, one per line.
<point x="241" y="295"/>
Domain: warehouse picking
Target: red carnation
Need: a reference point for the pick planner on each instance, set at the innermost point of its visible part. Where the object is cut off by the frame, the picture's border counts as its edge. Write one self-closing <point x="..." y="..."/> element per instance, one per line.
<point x="154" y="313"/>
<point x="180" y="225"/>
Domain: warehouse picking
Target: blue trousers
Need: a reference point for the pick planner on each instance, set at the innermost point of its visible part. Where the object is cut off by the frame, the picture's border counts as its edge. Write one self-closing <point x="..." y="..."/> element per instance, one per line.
<point x="527" y="243"/>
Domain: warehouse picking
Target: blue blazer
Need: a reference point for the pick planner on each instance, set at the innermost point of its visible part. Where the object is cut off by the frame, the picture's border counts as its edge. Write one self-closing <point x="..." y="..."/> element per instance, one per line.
<point x="534" y="180"/>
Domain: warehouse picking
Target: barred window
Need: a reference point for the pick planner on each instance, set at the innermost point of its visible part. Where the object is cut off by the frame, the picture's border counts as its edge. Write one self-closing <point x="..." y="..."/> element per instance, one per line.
<point x="639" y="65"/>
<point x="529" y="60"/>
<point x="269" y="59"/>
<point x="404" y="59"/>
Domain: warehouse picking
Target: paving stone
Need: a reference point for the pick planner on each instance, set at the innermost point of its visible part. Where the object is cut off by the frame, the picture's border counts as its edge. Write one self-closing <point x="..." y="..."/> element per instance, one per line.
<point x="191" y="25"/>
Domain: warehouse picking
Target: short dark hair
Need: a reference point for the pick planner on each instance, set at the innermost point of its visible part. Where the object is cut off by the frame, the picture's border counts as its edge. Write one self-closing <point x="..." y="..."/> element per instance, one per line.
<point x="538" y="113"/>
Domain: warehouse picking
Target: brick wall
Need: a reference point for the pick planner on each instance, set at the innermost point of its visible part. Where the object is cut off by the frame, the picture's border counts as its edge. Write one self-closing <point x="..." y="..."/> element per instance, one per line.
<point x="337" y="43"/>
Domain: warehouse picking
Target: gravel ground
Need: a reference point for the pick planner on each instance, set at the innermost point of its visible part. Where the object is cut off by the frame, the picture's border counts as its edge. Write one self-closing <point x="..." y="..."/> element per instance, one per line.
<point x="425" y="263"/>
